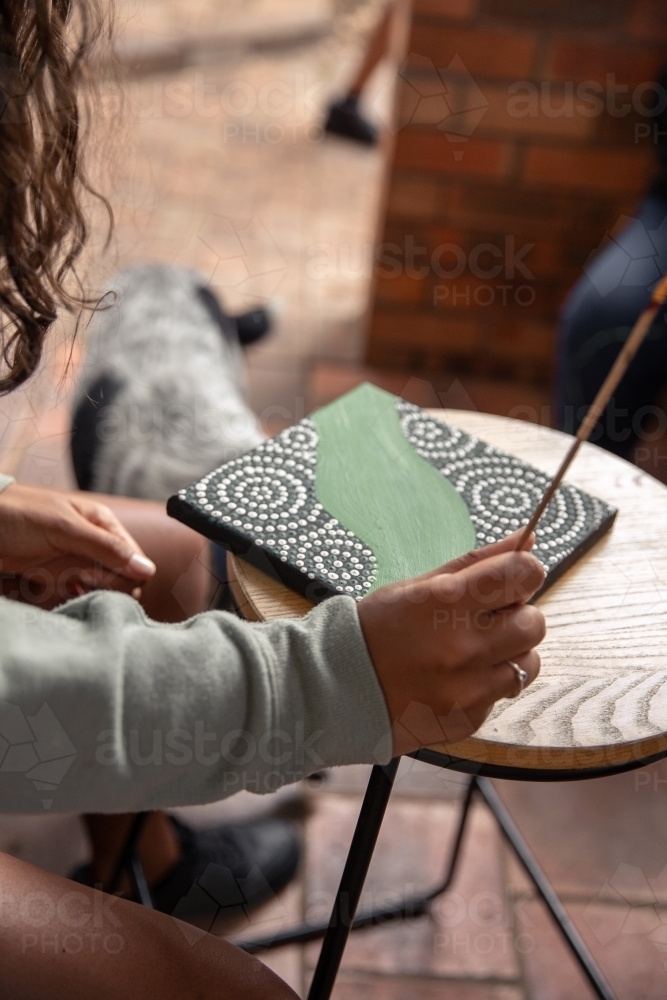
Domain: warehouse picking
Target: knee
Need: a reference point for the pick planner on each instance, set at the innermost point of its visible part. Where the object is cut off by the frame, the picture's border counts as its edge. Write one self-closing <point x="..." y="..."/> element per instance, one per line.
<point x="269" y="986"/>
<point x="217" y="968"/>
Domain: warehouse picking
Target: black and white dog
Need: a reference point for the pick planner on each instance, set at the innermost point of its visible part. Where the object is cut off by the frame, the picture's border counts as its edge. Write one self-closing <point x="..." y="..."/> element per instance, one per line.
<point x="160" y="396"/>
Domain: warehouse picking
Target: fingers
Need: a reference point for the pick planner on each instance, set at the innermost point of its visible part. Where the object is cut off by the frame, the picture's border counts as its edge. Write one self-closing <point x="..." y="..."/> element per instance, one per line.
<point x="487" y="685"/>
<point x="110" y="551"/>
<point x="503" y="681"/>
<point x="507" y="544"/>
<point x="497" y="582"/>
<point x="58" y="580"/>
<point x="101" y="515"/>
<point x="96" y="578"/>
<point x="474" y="693"/>
<point x="95" y="533"/>
<point x="505" y="634"/>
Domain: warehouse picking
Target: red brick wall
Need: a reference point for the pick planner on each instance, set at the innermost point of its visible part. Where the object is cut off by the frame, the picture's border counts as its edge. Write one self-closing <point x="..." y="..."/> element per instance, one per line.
<point x="525" y="164"/>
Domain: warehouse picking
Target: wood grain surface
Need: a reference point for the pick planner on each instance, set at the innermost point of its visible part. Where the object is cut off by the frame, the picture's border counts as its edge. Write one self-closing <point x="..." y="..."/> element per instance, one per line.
<point x="601" y="697"/>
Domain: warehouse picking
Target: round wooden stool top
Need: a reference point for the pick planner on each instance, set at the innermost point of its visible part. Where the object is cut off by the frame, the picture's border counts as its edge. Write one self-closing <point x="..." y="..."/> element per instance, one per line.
<point x="600" y="702"/>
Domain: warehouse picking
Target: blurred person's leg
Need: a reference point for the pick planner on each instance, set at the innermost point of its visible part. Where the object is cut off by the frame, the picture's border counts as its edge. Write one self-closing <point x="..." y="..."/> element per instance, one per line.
<point x="601" y="310"/>
<point x="375" y="52"/>
<point x="344" y="117"/>
<point x="596" y="320"/>
<point x="65" y="943"/>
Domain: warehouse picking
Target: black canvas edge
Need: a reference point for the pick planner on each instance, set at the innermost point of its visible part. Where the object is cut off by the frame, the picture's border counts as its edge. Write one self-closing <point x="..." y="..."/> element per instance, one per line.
<point x="587" y="543"/>
<point x="317" y="590"/>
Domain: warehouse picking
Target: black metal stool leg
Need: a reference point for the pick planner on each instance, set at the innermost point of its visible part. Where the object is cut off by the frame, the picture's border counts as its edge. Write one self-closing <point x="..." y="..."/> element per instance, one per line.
<point x="352" y="881"/>
<point x="409" y="907"/>
<point x="558" y="912"/>
<point x="343" y="918"/>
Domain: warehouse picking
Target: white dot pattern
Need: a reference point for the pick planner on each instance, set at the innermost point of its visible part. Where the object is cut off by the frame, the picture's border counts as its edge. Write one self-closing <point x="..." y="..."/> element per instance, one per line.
<point x="500" y="491"/>
<point x="269" y="496"/>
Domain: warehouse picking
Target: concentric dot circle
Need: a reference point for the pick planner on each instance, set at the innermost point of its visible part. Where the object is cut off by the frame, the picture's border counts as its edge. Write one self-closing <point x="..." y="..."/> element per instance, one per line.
<point x="270" y="495"/>
<point x="499" y="490"/>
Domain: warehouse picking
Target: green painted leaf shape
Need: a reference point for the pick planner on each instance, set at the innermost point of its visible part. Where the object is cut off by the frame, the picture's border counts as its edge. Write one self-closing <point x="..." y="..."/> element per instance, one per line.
<point x="373" y="481"/>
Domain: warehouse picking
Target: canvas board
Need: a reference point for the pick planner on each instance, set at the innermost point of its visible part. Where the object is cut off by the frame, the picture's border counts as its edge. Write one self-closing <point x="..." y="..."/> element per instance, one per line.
<point x="371" y="489"/>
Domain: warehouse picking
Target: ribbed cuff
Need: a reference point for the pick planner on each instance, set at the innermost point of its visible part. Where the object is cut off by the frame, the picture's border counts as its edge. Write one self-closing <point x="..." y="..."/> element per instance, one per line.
<point x="357" y="709"/>
<point x="5" y="481"/>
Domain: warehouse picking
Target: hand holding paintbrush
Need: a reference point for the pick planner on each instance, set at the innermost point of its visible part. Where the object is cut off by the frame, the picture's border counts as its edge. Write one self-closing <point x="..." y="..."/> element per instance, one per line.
<point x="607" y="389"/>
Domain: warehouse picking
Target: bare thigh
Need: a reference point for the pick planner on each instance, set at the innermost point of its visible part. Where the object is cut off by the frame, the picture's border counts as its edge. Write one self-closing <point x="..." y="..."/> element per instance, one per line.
<point x="67" y="942"/>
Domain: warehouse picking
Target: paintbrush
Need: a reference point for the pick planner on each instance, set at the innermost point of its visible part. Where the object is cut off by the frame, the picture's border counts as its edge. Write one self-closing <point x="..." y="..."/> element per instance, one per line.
<point x="608" y="387"/>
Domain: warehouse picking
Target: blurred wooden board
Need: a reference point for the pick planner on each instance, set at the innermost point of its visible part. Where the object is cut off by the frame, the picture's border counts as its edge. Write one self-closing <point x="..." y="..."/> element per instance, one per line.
<point x="601" y="697"/>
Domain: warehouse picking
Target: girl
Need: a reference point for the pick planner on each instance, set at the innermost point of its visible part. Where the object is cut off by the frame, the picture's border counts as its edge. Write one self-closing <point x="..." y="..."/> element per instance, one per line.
<point x="150" y="714"/>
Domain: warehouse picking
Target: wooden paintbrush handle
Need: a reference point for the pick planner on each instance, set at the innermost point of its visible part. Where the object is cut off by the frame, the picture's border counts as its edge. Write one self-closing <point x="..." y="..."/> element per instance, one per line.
<point x="626" y="354"/>
<point x="604" y="394"/>
<point x="618" y="370"/>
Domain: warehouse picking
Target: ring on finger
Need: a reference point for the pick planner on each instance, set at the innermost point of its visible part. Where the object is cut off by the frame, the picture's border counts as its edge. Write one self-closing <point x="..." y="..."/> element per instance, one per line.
<point x="521" y="676"/>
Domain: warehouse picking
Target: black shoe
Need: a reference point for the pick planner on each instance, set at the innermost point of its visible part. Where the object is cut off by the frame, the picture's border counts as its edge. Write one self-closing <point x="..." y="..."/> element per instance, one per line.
<point x="224" y="871"/>
<point x="345" y="119"/>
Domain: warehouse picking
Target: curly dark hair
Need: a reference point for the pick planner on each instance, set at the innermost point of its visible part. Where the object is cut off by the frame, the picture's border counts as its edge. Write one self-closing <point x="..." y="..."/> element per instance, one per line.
<point x="44" y="50"/>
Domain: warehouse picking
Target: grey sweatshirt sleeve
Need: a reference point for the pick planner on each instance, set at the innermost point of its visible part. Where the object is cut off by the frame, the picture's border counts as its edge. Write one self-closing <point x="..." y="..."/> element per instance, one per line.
<point x="103" y="710"/>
